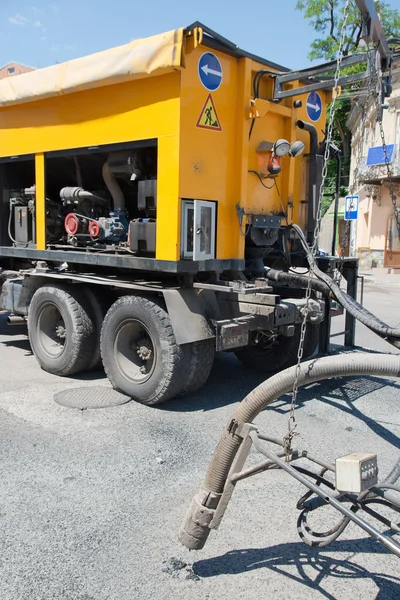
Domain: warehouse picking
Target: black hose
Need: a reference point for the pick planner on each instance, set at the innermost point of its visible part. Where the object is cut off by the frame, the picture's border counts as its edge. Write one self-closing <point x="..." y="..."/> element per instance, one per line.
<point x="297" y="280"/>
<point x="390" y="334"/>
<point x="319" y="285"/>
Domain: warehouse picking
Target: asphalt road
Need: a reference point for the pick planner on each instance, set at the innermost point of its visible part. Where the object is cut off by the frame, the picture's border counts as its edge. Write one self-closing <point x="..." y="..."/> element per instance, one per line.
<point x="91" y="501"/>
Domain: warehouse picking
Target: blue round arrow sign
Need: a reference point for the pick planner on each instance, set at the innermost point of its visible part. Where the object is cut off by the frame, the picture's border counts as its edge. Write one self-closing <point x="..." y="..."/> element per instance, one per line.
<point x="210" y="71"/>
<point x="314" y="106"/>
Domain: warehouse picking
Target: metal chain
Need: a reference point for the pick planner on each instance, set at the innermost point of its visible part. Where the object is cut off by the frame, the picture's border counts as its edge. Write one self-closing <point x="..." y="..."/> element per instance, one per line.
<point x="379" y="118"/>
<point x="292" y="420"/>
<point x="390" y="181"/>
<point x="344" y="239"/>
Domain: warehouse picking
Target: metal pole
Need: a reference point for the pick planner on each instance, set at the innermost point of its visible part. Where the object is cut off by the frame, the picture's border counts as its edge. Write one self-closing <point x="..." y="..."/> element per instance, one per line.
<point x="336" y="209"/>
<point x="351" y="274"/>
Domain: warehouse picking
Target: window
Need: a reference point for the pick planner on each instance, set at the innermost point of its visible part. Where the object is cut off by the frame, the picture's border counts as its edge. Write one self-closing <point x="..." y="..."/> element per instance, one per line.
<point x="10" y="70"/>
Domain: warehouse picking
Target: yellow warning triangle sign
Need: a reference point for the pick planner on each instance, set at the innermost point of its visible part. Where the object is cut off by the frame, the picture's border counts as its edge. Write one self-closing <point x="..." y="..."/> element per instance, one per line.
<point x="208" y="118"/>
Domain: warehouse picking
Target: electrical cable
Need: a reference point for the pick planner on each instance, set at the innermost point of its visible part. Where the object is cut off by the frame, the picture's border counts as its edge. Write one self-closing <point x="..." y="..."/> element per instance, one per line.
<point x="256" y="90"/>
<point x="268" y="187"/>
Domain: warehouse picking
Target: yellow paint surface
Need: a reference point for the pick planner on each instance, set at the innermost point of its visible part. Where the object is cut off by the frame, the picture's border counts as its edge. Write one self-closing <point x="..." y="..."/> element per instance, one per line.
<point x="204" y="150"/>
<point x="40" y="215"/>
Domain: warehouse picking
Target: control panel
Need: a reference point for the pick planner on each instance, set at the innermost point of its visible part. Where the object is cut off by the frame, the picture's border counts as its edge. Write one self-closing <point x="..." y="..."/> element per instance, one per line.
<point x="356" y="472"/>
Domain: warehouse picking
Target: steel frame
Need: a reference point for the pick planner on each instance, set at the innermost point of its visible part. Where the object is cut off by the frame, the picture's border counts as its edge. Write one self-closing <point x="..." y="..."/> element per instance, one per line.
<point x="251" y="437"/>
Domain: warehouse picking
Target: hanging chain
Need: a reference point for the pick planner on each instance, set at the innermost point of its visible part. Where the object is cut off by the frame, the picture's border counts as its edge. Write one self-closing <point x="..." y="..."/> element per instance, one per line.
<point x="390" y="181"/>
<point x="363" y="141"/>
<point x="306" y="310"/>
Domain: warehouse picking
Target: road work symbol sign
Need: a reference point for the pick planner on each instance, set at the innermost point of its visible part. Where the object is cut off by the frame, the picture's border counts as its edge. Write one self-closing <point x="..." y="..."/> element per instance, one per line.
<point x="210" y="71"/>
<point x="351" y="208"/>
<point x="208" y="118"/>
<point x="314" y="106"/>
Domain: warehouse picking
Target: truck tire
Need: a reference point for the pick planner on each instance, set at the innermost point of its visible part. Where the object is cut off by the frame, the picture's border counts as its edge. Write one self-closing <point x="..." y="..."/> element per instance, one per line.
<point x="140" y="354"/>
<point x="61" y="329"/>
<point x="280" y="354"/>
<point x="198" y="359"/>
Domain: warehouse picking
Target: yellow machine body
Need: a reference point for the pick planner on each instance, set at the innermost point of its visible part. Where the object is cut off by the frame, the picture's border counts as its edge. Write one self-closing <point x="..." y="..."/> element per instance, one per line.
<point x="204" y="151"/>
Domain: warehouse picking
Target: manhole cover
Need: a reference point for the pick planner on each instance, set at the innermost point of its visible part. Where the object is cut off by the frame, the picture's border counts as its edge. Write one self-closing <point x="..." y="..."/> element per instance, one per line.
<point x="90" y="397"/>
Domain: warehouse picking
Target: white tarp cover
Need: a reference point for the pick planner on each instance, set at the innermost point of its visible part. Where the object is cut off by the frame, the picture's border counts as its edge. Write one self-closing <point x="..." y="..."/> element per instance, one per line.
<point x="138" y="58"/>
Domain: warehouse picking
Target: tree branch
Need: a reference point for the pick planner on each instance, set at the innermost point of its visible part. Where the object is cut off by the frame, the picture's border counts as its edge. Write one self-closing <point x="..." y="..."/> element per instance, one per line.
<point x="358" y="38"/>
<point x="332" y="20"/>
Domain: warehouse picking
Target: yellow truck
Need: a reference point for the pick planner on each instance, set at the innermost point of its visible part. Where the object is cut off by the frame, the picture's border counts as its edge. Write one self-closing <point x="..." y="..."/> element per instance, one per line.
<point x="144" y="191"/>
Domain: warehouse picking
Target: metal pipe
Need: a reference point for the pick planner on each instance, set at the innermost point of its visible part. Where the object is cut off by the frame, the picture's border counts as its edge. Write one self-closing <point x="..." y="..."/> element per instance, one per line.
<point x="263" y="466"/>
<point x="313" y="190"/>
<point x="15" y="320"/>
<point x="113" y="188"/>
<point x="392" y="546"/>
<point x="196" y="526"/>
<point x="318" y="461"/>
<point x="336" y="209"/>
<point x="313" y="134"/>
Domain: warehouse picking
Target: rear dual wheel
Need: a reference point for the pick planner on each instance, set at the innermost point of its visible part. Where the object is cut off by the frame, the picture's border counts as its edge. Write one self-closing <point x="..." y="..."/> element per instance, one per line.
<point x="61" y="329"/>
<point x="142" y="358"/>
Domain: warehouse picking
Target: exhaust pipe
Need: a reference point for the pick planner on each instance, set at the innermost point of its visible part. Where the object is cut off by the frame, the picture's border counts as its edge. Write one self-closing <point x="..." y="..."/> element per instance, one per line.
<point x="313" y="134"/>
<point x="314" y="177"/>
<point x="15" y="320"/>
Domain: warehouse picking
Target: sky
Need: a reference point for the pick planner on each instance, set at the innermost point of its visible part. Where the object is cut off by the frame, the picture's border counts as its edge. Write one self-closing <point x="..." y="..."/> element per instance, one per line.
<point x="39" y="33"/>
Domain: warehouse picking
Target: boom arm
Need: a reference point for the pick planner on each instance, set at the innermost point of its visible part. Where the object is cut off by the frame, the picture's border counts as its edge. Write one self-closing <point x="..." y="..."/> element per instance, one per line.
<point x="374" y="33"/>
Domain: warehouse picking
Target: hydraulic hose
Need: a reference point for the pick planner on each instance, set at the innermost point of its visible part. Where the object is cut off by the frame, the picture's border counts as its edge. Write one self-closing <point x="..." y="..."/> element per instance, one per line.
<point x="356" y="309"/>
<point x="391" y="334"/>
<point x="198" y="522"/>
<point x="297" y="280"/>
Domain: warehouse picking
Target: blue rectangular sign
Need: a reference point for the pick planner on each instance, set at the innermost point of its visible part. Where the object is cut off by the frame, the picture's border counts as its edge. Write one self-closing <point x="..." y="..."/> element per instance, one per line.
<point x="351" y="208"/>
<point x="376" y="155"/>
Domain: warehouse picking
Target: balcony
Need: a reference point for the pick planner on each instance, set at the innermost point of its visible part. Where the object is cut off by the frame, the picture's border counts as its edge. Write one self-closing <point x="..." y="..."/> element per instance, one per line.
<point x="371" y="169"/>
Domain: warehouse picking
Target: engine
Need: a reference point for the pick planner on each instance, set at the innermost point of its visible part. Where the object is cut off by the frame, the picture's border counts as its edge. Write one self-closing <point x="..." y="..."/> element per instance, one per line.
<point x="94" y="220"/>
<point x="108" y="201"/>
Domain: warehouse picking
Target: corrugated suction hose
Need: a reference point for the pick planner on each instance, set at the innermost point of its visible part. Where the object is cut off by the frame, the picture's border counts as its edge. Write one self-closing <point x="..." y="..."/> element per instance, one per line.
<point x="198" y="522"/>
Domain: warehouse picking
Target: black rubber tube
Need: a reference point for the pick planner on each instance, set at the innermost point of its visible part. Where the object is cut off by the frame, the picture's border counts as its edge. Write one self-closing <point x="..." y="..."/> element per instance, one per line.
<point x="297" y="280"/>
<point x="391" y="334"/>
<point x="196" y="527"/>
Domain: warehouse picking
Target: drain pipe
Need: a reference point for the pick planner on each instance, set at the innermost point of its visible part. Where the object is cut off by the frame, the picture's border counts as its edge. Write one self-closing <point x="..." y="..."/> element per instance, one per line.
<point x="199" y="518"/>
<point x="312" y="187"/>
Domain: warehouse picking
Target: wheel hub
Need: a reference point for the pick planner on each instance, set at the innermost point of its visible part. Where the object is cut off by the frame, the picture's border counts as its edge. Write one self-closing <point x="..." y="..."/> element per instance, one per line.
<point x="60" y="332"/>
<point x="52" y="332"/>
<point x="134" y="351"/>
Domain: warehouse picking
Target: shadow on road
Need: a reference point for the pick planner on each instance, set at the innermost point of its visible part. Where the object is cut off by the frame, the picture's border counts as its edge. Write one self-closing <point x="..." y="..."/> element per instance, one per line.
<point x="18" y="335"/>
<point x="228" y="383"/>
<point x="342" y="395"/>
<point x="306" y="566"/>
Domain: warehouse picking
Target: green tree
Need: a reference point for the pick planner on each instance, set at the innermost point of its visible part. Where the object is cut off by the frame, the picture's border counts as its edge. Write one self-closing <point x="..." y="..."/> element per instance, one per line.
<point x="326" y="17"/>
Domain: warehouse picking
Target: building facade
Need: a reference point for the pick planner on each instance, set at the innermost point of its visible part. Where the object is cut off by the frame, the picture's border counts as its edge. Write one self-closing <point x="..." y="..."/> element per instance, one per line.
<point x="375" y="238"/>
<point x="13" y="69"/>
